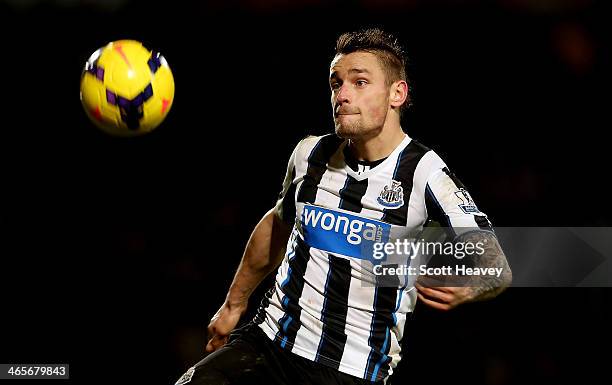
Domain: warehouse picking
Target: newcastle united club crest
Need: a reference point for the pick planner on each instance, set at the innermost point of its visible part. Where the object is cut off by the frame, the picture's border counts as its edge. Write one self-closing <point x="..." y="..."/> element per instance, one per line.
<point x="392" y="195"/>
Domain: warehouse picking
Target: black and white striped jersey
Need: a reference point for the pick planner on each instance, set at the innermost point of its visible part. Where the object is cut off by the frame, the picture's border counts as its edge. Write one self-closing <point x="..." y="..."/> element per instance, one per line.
<point x="326" y="304"/>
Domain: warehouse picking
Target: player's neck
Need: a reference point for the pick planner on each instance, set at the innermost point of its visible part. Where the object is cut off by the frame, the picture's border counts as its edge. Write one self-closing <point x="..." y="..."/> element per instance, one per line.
<point x="377" y="147"/>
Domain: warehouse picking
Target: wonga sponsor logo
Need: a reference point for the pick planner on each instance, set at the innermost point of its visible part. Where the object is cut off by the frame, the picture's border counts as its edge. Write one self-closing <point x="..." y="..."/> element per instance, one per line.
<point x="342" y="233"/>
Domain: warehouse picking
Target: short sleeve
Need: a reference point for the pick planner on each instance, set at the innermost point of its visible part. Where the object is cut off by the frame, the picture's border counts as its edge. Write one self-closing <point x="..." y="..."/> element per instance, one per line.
<point x="449" y="203"/>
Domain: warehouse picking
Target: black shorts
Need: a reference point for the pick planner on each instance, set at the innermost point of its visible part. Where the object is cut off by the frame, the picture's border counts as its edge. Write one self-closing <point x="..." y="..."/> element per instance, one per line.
<point x="250" y="357"/>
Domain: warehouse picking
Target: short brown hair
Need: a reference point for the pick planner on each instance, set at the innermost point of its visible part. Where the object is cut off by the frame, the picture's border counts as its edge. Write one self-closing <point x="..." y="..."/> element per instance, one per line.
<point x="382" y="44"/>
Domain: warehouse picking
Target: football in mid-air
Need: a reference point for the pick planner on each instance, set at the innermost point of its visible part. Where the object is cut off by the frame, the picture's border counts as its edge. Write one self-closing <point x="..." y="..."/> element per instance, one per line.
<point x="126" y="89"/>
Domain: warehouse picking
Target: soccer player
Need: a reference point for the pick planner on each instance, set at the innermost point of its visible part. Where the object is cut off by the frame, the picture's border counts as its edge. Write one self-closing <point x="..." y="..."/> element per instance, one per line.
<point x="328" y="319"/>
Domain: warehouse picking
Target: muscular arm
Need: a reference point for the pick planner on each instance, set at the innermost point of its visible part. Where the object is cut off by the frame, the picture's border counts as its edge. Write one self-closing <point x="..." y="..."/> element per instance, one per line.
<point x="263" y="253"/>
<point x="478" y="288"/>
<point x="486" y="287"/>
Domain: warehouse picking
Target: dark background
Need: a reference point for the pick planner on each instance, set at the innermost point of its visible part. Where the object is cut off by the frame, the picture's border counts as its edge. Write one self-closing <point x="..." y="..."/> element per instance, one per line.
<point x="116" y="252"/>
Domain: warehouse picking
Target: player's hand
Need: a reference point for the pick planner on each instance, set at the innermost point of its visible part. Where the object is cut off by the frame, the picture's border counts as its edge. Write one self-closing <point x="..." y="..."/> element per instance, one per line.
<point x="222" y="323"/>
<point x="442" y="297"/>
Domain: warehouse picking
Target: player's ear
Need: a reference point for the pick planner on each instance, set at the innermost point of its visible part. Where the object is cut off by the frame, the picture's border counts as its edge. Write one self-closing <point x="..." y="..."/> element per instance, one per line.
<point x="399" y="93"/>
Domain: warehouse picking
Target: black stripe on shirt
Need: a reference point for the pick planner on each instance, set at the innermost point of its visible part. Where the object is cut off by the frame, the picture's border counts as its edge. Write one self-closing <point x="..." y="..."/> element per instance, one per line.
<point x="317" y="164"/>
<point x="352" y="193"/>
<point x="385" y="298"/>
<point x="289" y="323"/>
<point x="405" y="167"/>
<point x="333" y="315"/>
<point x="483" y="222"/>
<point x="288" y="204"/>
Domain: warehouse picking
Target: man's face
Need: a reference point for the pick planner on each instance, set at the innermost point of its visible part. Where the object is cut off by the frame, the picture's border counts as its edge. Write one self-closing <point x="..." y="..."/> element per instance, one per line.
<point x="360" y="97"/>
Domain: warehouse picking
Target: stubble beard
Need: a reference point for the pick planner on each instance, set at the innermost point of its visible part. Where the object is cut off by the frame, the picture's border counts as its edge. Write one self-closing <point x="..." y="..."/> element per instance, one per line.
<point x="355" y="130"/>
<point x="349" y="130"/>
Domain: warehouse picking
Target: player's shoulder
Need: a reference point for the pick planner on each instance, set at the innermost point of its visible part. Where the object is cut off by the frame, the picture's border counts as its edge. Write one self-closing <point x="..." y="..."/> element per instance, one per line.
<point x="427" y="157"/>
<point x="310" y="140"/>
<point x="428" y="164"/>
<point x="307" y="145"/>
<point x="415" y="146"/>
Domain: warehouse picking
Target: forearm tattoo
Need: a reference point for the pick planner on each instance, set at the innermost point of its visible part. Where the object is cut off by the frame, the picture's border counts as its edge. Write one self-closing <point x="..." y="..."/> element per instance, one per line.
<point x="487" y="286"/>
